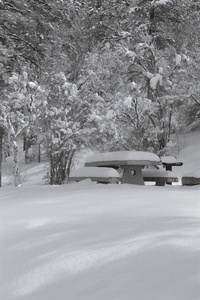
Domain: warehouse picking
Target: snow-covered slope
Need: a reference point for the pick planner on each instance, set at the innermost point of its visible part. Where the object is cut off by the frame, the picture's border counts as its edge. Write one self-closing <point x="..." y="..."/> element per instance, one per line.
<point x="189" y="154"/>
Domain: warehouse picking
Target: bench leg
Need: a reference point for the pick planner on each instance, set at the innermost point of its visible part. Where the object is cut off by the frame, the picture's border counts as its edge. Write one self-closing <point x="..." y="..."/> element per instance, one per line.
<point x="160" y="182"/>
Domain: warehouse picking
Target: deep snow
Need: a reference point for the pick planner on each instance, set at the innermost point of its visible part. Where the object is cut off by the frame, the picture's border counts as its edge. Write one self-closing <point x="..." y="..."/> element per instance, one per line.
<point x="87" y="241"/>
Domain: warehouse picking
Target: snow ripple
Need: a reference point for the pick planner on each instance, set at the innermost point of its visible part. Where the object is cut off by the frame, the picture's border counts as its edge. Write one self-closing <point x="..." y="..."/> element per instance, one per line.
<point x="78" y="261"/>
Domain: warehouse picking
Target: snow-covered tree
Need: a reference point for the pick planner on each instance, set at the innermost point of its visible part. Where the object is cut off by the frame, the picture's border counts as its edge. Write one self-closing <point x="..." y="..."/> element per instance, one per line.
<point x="18" y="111"/>
<point x="155" y="48"/>
<point x="140" y="68"/>
<point x="65" y="120"/>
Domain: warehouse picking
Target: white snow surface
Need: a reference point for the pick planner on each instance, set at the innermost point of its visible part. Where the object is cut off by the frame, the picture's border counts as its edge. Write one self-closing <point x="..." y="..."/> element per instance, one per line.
<point x="168" y="159"/>
<point x="94" y="241"/>
<point x="94" y="172"/>
<point x="123" y="156"/>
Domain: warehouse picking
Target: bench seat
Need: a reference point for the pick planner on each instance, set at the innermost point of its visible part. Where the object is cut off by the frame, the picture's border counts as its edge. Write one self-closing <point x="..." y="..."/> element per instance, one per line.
<point x="100" y="175"/>
<point x="159" y="176"/>
<point x="190" y="180"/>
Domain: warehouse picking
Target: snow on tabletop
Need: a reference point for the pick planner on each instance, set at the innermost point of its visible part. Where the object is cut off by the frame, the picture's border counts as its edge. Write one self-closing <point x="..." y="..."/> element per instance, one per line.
<point x="94" y="172"/>
<point x="123" y="156"/>
<point x="168" y="159"/>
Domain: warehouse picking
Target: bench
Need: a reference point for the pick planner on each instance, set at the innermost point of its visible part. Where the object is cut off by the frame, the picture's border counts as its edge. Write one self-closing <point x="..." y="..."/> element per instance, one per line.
<point x="159" y="176"/>
<point x="99" y="175"/>
<point x="191" y="178"/>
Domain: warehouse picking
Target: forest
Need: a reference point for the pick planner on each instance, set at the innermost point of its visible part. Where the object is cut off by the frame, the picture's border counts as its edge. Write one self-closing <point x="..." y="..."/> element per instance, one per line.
<point x="104" y="75"/>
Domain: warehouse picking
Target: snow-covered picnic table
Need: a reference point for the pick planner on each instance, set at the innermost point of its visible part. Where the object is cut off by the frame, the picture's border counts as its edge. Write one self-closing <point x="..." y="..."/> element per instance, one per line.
<point x="132" y="163"/>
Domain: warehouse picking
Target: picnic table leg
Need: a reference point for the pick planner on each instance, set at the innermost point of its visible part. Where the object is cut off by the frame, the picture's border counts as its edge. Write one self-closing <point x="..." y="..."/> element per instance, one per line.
<point x="133" y="175"/>
<point x="168" y="168"/>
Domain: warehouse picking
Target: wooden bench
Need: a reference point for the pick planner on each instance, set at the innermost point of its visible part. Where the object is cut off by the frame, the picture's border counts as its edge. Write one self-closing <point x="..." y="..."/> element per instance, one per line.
<point x="99" y="175"/>
<point x="190" y="179"/>
<point x="159" y="176"/>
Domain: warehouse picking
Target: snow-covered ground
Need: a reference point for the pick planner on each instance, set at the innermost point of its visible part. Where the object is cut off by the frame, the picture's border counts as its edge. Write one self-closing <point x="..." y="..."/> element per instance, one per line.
<point x="87" y="241"/>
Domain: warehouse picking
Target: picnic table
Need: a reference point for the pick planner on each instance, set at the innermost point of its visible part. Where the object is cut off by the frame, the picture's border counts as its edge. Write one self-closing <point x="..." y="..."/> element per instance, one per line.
<point x="132" y="163"/>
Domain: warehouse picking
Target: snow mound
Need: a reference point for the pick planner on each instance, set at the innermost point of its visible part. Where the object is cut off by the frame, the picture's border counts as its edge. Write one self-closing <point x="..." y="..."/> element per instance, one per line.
<point x="194" y="173"/>
<point x="189" y="154"/>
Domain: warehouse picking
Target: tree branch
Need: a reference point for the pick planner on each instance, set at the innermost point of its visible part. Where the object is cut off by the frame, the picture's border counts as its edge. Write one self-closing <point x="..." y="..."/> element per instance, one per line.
<point x="195" y="100"/>
<point x="14" y="37"/>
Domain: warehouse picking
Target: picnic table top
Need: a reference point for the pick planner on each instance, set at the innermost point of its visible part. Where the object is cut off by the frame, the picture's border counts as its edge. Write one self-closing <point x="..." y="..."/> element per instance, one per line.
<point x="170" y="161"/>
<point x="122" y="158"/>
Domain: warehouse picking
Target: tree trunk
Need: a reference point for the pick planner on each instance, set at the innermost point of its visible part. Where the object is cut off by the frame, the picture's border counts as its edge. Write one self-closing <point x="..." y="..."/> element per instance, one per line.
<point x="60" y="166"/>
<point x="68" y="168"/>
<point x="1" y="142"/>
<point x="39" y="152"/>
<point x="17" y="177"/>
<point x="52" y="177"/>
<point x="26" y="147"/>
